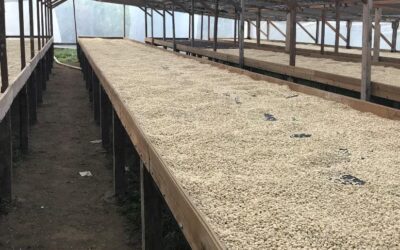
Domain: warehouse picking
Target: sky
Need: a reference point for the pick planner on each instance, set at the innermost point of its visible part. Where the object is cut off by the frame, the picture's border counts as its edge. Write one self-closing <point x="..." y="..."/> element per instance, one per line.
<point x="105" y="19"/>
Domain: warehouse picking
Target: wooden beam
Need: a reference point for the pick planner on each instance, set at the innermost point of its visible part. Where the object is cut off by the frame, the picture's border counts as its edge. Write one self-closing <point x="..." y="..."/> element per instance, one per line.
<point x="265" y="34"/>
<point x="234" y="30"/>
<point x="316" y="31"/>
<point x="337" y="31"/>
<point x="151" y="211"/>
<point x="3" y="49"/>
<point x="366" y="52"/>
<point x="248" y="29"/>
<point x="287" y="40"/>
<point x="152" y="26"/>
<point x="258" y="26"/>
<point x="292" y="32"/>
<point x="145" y="22"/>
<point x="385" y="39"/>
<point x="96" y="98"/>
<point x="208" y="28"/>
<point x="216" y="25"/>
<point x="173" y="28"/>
<point x="75" y="22"/>
<point x="241" y="33"/>
<point x="31" y="29"/>
<point x="38" y="24"/>
<point x="268" y="29"/>
<point x="307" y="32"/>
<point x="192" y="24"/>
<point x="201" y="25"/>
<point x="278" y="29"/>
<point x="334" y="30"/>
<point x="377" y="34"/>
<point x="348" y="36"/>
<point x="323" y="22"/>
<point x="395" y="26"/>
<point x="124" y="19"/>
<point x="164" y="25"/>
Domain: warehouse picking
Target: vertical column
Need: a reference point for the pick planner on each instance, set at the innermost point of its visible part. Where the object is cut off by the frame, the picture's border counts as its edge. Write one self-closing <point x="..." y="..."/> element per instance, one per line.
<point x="23" y="94"/>
<point x="248" y="29"/>
<point x="106" y="118"/>
<point x="377" y="34"/>
<point x="366" y="51"/>
<point x="208" y="28"/>
<point x="119" y="136"/>
<point x="234" y="29"/>
<point x="268" y="30"/>
<point x="241" y="34"/>
<point x="124" y="21"/>
<point x="75" y="25"/>
<point x="192" y="24"/>
<point x="145" y="21"/>
<point x="201" y="26"/>
<point x="292" y="32"/>
<point x="316" y="31"/>
<point x="96" y="97"/>
<point x="3" y="49"/>
<point x="337" y="33"/>
<point x="348" y="26"/>
<point x="258" y="25"/>
<point x="151" y="211"/>
<point x="287" y="41"/>
<point x="216" y="25"/>
<point x="164" y="25"/>
<point x="395" y="26"/>
<point x="32" y="81"/>
<point x="152" y="26"/>
<point x="173" y="27"/>
<point x="323" y="25"/>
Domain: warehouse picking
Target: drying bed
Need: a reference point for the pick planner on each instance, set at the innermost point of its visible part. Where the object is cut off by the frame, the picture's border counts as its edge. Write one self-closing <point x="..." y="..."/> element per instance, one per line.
<point x="381" y="74"/>
<point x="266" y="166"/>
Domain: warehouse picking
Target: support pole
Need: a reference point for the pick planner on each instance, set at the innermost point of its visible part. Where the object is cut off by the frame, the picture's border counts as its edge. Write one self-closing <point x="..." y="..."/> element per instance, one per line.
<point x="395" y="26"/>
<point x="32" y="80"/>
<point x="96" y="97"/>
<point x="42" y="22"/>
<point x="119" y="136"/>
<point x="216" y="25"/>
<point x="268" y="30"/>
<point x="337" y="32"/>
<point x="348" y="36"/>
<point x="201" y="26"/>
<point x="145" y="21"/>
<point x="317" y="32"/>
<point x="287" y="41"/>
<point x="208" y="28"/>
<point x="152" y="26"/>
<point x="38" y="24"/>
<point x="234" y="30"/>
<point x="248" y="30"/>
<point x="258" y="26"/>
<point x="164" y="33"/>
<point x="292" y="40"/>
<point x="366" y="51"/>
<point x="31" y="30"/>
<point x="173" y="28"/>
<point x="323" y="24"/>
<point x="377" y="34"/>
<point x="241" y="34"/>
<point x="124" y="22"/>
<point x="192" y="25"/>
<point x="151" y="211"/>
<point x="75" y="25"/>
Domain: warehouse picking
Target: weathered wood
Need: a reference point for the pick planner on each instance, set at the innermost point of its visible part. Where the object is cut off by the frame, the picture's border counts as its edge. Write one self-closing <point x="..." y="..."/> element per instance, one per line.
<point x="287" y="41"/>
<point x="201" y="25"/>
<point x="6" y="159"/>
<point x="105" y="118"/>
<point x="96" y="98"/>
<point x="366" y="52"/>
<point x="234" y="30"/>
<point x="145" y="22"/>
<point x="208" y="28"/>
<point x="278" y="29"/>
<point x="323" y="25"/>
<point x="316" y="31"/>
<point x="31" y="30"/>
<point x="241" y="34"/>
<point x="337" y="21"/>
<point x="3" y="49"/>
<point x="292" y="32"/>
<point x="258" y="26"/>
<point x="216" y="25"/>
<point x="119" y="137"/>
<point x="151" y="211"/>
<point x="348" y="36"/>
<point x="192" y="24"/>
<point x="75" y="22"/>
<point x="268" y="30"/>
<point x="43" y="33"/>
<point x="395" y="26"/>
<point x="38" y="24"/>
<point x="173" y="28"/>
<point x="248" y="30"/>
<point x="152" y="26"/>
<point x="377" y="34"/>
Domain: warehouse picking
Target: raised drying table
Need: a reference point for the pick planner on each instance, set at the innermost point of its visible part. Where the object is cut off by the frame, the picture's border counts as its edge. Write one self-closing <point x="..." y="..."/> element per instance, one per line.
<point x="249" y="164"/>
<point x="330" y="73"/>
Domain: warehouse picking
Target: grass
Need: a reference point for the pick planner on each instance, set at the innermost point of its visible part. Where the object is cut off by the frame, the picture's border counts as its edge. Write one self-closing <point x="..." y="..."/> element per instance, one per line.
<point x="67" y="56"/>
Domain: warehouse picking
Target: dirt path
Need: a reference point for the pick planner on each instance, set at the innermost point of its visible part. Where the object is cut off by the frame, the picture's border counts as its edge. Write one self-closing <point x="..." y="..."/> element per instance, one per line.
<point x="55" y="207"/>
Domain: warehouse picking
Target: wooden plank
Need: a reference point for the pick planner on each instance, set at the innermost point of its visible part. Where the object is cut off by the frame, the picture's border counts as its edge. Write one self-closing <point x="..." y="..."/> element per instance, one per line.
<point x="193" y="225"/>
<point x="287" y="40"/>
<point x="377" y="34"/>
<point x="366" y="52"/>
<point x="151" y="212"/>
<point x="119" y="160"/>
<point x="6" y="162"/>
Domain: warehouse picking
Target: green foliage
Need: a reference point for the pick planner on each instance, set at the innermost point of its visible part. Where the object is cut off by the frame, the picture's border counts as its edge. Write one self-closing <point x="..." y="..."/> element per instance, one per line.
<point x="67" y="56"/>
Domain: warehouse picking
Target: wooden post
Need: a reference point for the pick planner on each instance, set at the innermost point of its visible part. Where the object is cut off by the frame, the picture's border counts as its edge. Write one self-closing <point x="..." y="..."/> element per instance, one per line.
<point x="164" y="25"/>
<point x="192" y="25"/>
<point x="258" y="26"/>
<point x="241" y="34"/>
<point x="317" y="31"/>
<point x="377" y="34"/>
<point x="152" y="26"/>
<point x="348" y="26"/>
<point x="234" y="29"/>
<point x="208" y="28"/>
<point x="145" y="21"/>
<point x="106" y="118"/>
<point x="216" y="26"/>
<point x="124" y="21"/>
<point x="287" y="41"/>
<point x="323" y="24"/>
<point x="173" y="27"/>
<point x="201" y="26"/>
<point x="42" y="23"/>
<point x="32" y="88"/>
<point x="395" y="26"/>
<point x="119" y="136"/>
<point x="23" y="94"/>
<point x="268" y="30"/>
<point x="3" y="49"/>
<point x="248" y="30"/>
<point x="31" y="30"/>
<point x="366" y="51"/>
<point x="6" y="161"/>
<point x="151" y="211"/>
<point x="337" y="32"/>
<point x="96" y="97"/>
<point x="38" y="24"/>
<point x="292" y="40"/>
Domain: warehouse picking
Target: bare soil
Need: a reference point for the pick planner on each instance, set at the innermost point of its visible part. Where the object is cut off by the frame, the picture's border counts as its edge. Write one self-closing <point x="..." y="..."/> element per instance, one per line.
<point x="56" y="208"/>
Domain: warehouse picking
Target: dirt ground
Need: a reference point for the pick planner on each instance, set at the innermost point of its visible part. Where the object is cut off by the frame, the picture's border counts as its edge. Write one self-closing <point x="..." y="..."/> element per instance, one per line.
<point x="56" y="208"/>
